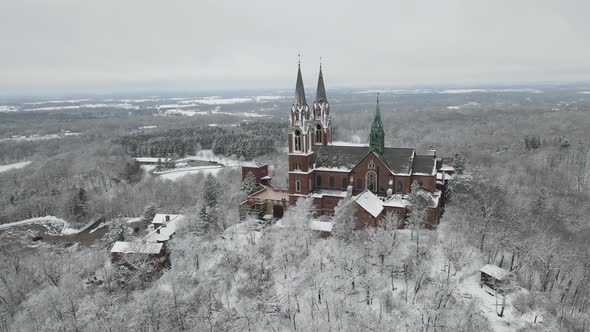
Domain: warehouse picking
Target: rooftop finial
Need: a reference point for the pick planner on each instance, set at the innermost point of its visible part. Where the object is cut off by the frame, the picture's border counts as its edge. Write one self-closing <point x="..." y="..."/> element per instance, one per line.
<point x="299" y="59"/>
<point x="320" y="62"/>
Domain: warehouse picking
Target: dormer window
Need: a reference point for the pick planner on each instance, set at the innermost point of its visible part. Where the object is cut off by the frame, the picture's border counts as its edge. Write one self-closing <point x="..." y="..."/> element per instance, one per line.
<point x="297" y="141"/>
<point x="318" y="134"/>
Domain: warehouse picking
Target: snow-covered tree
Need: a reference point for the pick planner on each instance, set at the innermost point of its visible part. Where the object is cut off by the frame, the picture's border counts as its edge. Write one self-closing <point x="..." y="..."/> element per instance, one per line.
<point x="249" y="184"/>
<point x="118" y="231"/>
<point x="149" y="213"/>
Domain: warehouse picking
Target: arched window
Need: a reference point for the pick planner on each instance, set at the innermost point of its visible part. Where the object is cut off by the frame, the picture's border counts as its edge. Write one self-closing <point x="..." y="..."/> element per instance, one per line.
<point x="400" y="187"/>
<point x="318" y="134"/>
<point x="372" y="181"/>
<point x="318" y="181"/>
<point x="331" y="182"/>
<point x="297" y="186"/>
<point x="344" y="183"/>
<point x="359" y="184"/>
<point x="297" y="140"/>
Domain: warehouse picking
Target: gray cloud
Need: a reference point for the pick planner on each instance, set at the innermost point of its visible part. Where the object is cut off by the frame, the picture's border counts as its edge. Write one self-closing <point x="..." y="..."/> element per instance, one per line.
<point x="110" y="45"/>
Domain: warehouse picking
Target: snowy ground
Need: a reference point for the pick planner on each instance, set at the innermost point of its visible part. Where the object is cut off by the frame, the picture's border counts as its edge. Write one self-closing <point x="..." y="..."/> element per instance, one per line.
<point x="4" y="168"/>
<point x="21" y="138"/>
<point x="177" y="173"/>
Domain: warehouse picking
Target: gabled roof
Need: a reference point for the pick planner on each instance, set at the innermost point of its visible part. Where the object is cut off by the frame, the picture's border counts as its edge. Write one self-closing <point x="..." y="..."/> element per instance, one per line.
<point x="495" y="271"/>
<point x="323" y="226"/>
<point x="399" y="160"/>
<point x="424" y="165"/>
<point x="160" y="218"/>
<point x="370" y="203"/>
<point x="122" y="247"/>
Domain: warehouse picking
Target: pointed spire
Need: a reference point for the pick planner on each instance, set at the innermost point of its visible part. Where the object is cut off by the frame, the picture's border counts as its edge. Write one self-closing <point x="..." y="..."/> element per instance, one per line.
<point x="299" y="90"/>
<point x="320" y="95"/>
<point x="377" y="136"/>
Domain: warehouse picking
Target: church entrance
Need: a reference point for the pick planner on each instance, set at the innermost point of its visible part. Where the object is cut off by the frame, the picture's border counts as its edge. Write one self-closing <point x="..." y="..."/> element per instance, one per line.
<point x="277" y="211"/>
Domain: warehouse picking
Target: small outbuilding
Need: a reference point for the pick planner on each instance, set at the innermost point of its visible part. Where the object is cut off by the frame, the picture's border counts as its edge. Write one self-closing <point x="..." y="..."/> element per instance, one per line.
<point x="495" y="279"/>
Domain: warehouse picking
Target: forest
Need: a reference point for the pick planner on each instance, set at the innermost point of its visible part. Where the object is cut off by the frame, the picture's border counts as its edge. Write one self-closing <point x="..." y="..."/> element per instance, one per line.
<point x="521" y="202"/>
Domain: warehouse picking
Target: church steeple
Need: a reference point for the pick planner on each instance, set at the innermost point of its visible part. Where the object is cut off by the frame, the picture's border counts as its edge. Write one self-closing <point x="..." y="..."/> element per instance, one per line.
<point x="299" y="90"/>
<point x="377" y="136"/>
<point x="320" y="95"/>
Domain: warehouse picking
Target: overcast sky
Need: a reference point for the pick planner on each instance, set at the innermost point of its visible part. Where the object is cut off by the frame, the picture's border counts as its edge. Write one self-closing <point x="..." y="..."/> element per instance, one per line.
<point x="120" y="45"/>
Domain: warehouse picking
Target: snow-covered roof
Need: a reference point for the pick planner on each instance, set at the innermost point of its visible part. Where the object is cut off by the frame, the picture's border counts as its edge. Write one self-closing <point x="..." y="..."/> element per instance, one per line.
<point x="165" y="232"/>
<point x="151" y="160"/>
<point x="447" y="168"/>
<point x="323" y="226"/>
<point x="495" y="271"/>
<point x="333" y="169"/>
<point x="371" y="203"/>
<point x="136" y="247"/>
<point x="160" y="218"/>
<point x="397" y="200"/>
<point x="266" y="178"/>
<point x="329" y="192"/>
<point x="441" y="175"/>
<point x="435" y="198"/>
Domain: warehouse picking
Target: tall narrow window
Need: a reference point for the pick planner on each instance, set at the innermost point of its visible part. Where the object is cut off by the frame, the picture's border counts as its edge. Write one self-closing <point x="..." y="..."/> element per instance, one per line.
<point x="400" y="187"/>
<point x="372" y="181"/>
<point x="344" y="183"/>
<point x="297" y="140"/>
<point x="297" y="186"/>
<point x="331" y="182"/>
<point x="318" y="134"/>
<point x="359" y="184"/>
<point x="318" y="181"/>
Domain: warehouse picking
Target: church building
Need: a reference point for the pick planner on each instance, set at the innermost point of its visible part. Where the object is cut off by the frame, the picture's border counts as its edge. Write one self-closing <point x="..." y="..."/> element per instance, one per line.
<point x="378" y="178"/>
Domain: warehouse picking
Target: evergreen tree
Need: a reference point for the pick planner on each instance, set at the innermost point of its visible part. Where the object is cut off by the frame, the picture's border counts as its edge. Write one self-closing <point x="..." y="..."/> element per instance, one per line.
<point x="118" y="231"/>
<point x="133" y="172"/>
<point x="459" y="163"/>
<point x="208" y="222"/>
<point x="149" y="213"/>
<point x="78" y="206"/>
<point x="249" y="184"/>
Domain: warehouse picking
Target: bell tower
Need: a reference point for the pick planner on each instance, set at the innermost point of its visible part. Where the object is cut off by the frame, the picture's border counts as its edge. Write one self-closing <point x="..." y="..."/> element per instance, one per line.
<point x="322" y="124"/>
<point x="299" y="121"/>
<point x="301" y="156"/>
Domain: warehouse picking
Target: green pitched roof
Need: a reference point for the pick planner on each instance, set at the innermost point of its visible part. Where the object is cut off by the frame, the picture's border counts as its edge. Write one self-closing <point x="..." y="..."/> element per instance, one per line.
<point x="377" y="136"/>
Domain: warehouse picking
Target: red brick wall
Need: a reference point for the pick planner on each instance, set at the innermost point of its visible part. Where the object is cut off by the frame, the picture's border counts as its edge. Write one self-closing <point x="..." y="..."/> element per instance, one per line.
<point x="365" y="217"/>
<point x="428" y="181"/>
<point x="259" y="172"/>
<point x="383" y="174"/>
<point x="304" y="179"/>
<point x="338" y="177"/>
<point x="305" y="162"/>
<point x="406" y="184"/>
<point x="326" y="204"/>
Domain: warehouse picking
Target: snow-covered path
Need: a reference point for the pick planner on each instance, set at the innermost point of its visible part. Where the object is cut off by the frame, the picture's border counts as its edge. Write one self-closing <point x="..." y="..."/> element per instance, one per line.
<point x="4" y="168"/>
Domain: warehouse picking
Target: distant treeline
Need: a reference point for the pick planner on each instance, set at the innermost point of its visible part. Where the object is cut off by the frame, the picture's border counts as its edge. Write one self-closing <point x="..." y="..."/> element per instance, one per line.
<point x="247" y="140"/>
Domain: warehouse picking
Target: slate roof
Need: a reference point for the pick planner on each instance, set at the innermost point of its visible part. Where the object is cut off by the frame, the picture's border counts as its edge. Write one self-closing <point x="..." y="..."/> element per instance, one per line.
<point x="299" y="90"/>
<point x="424" y="165"/>
<point x="320" y="94"/>
<point x="399" y="160"/>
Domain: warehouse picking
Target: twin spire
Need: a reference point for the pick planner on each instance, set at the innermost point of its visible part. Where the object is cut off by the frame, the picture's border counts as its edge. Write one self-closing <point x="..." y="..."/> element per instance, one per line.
<point x="320" y="95"/>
